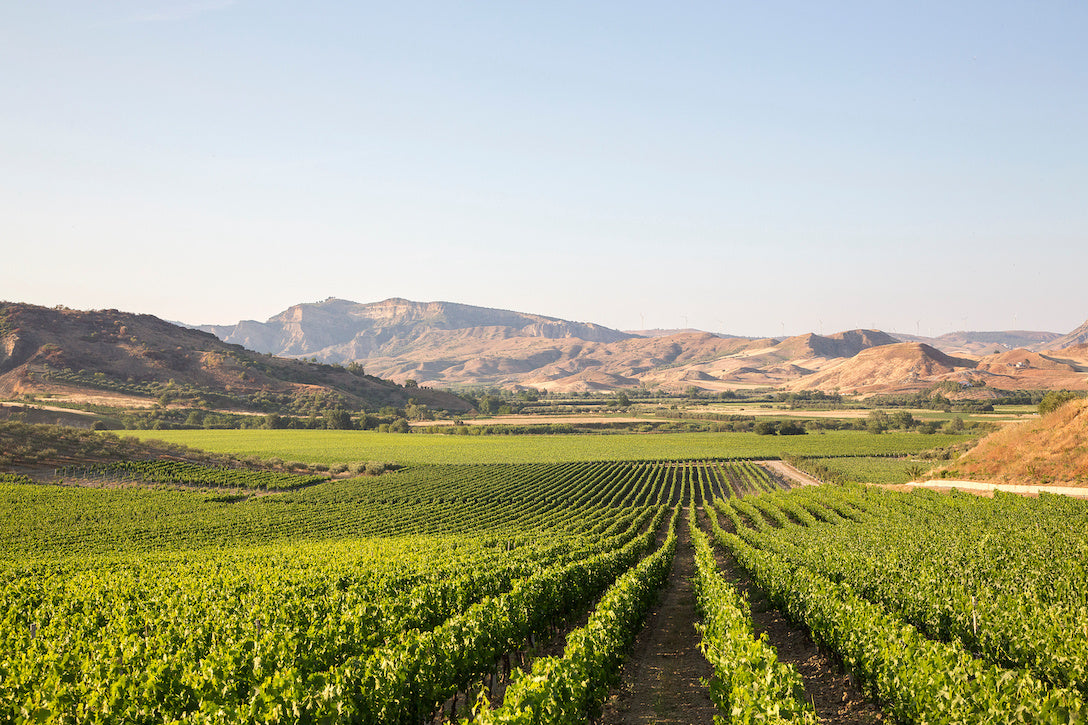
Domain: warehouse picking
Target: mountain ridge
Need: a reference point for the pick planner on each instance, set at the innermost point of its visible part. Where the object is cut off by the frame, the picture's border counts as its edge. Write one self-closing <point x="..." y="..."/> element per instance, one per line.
<point x="424" y="346"/>
<point x="456" y="345"/>
<point x="1077" y="337"/>
<point x="138" y="359"/>
<point x="331" y="329"/>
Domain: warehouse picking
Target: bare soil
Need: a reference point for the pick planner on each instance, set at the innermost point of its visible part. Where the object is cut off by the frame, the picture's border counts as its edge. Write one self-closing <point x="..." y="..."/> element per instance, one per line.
<point x="831" y="690"/>
<point x="662" y="677"/>
<point x="988" y="488"/>
<point x="552" y="644"/>
<point x="795" y="476"/>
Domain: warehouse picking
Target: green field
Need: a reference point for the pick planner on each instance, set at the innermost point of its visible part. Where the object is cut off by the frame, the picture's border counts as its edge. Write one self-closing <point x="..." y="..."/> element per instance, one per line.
<point x="175" y="591"/>
<point x="330" y="447"/>
<point x="873" y="470"/>
<point x="397" y="598"/>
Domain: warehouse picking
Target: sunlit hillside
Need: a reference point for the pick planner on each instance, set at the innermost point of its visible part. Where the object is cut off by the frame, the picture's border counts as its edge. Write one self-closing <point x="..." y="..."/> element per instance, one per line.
<point x="1051" y="449"/>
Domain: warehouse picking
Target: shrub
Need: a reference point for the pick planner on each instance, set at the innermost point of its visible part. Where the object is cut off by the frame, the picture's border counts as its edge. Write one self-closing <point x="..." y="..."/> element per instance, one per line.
<point x="791" y="428"/>
<point x="1054" y="400"/>
<point x="765" y="428"/>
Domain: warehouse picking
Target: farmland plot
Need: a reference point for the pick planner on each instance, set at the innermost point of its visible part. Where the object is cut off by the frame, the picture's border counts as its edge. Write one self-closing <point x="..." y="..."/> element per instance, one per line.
<point x="512" y="593"/>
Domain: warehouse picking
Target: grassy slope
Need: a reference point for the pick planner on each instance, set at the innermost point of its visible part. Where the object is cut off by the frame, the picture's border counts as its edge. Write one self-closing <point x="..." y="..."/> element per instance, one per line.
<point x="344" y="446"/>
<point x="1050" y="450"/>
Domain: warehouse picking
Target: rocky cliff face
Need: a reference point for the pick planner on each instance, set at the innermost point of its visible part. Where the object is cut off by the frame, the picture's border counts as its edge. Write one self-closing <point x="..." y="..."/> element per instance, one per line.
<point x="340" y="330"/>
<point x="444" y="344"/>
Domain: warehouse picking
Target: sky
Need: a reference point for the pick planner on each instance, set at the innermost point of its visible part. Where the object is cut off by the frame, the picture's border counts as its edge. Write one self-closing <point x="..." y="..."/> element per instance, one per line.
<point x="746" y="168"/>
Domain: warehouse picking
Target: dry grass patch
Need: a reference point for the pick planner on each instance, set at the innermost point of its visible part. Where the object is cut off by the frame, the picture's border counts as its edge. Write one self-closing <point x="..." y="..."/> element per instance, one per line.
<point x="1050" y="450"/>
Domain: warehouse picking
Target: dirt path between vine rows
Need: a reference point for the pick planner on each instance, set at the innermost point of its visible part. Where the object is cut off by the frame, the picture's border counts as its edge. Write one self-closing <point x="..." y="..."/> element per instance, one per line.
<point x="794" y="476"/>
<point x="831" y="691"/>
<point x="661" y="677"/>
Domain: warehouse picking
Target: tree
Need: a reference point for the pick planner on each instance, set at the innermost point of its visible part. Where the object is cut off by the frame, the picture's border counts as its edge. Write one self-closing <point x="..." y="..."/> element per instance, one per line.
<point x="766" y="428"/>
<point x="1054" y="400"/>
<point x="337" y="419"/>
<point x="955" y="425"/>
<point x="622" y="401"/>
<point x="915" y="471"/>
<point x="417" y="411"/>
<point x="791" y="428"/>
<point x="903" y="419"/>
<point x="878" y="421"/>
<point x="489" y="404"/>
<point x="400" y="425"/>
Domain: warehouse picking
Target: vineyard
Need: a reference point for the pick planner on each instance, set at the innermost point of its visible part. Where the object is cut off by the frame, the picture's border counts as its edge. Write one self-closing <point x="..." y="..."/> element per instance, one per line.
<point x="182" y="473"/>
<point x="512" y="593"/>
<point x="333" y="446"/>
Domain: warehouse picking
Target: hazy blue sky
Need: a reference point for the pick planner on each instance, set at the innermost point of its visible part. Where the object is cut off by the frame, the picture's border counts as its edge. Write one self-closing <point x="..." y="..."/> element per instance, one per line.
<point x="752" y="168"/>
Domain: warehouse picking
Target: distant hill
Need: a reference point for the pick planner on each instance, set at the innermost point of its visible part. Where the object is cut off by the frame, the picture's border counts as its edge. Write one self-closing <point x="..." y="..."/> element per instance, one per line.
<point x="368" y="351"/>
<point x="454" y="345"/>
<point x="898" y="367"/>
<point x="339" y="330"/>
<point x="1027" y="370"/>
<point x="1078" y="336"/>
<point x="984" y="343"/>
<point x="132" y="360"/>
<point x="659" y="332"/>
<point x="841" y="344"/>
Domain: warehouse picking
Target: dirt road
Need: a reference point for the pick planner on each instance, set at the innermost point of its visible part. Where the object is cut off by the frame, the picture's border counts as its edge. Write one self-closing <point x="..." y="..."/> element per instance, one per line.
<point x="1075" y="491"/>
<point x="785" y="470"/>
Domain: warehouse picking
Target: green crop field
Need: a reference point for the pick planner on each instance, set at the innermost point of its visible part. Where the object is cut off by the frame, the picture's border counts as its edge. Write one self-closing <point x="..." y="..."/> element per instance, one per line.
<point x="329" y="447"/>
<point x="503" y="579"/>
<point x="864" y="469"/>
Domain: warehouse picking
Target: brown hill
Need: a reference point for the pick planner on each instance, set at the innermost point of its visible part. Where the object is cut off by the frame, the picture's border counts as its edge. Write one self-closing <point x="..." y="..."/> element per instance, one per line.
<point x="841" y="344"/>
<point x="1049" y="450"/>
<point x="451" y="345"/>
<point x="340" y="331"/>
<point x="984" y="342"/>
<point x="1078" y="336"/>
<point x="1026" y="370"/>
<point x="448" y="344"/>
<point x="901" y="367"/>
<point x="124" y="359"/>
